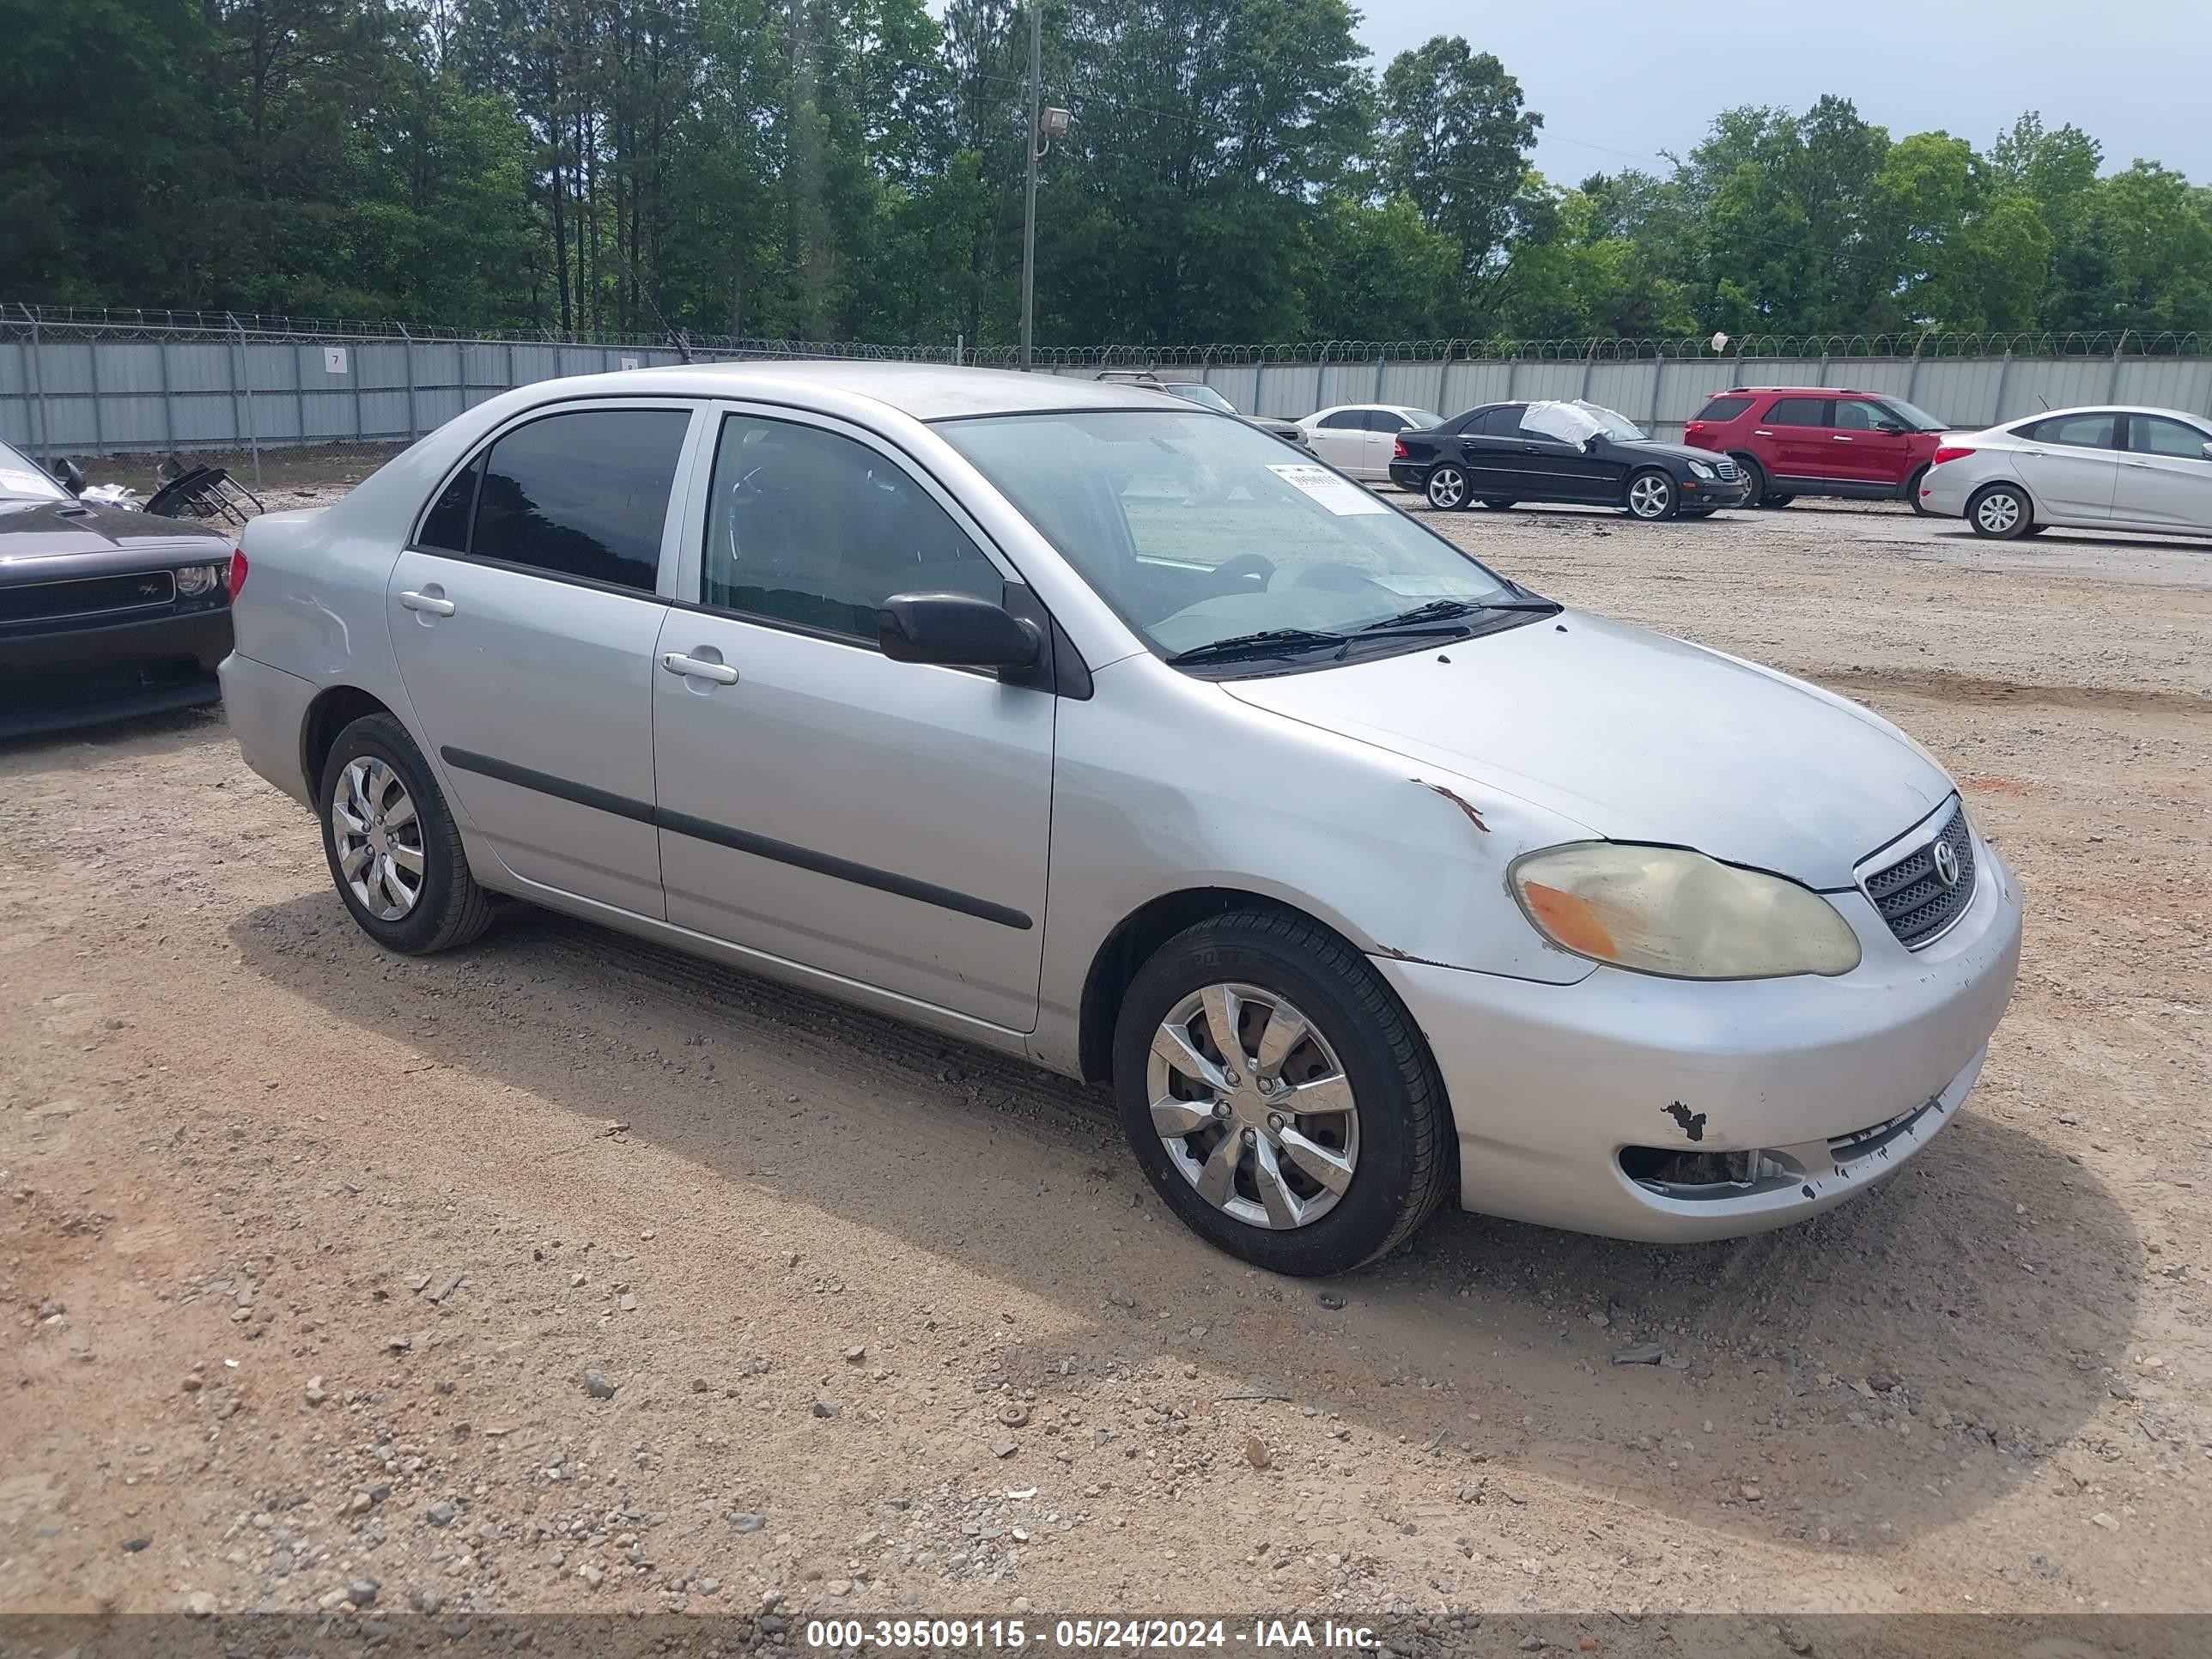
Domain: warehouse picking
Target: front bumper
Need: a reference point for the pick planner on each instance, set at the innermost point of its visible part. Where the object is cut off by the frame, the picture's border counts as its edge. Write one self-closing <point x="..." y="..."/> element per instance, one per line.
<point x="1838" y="1081"/>
<point x="1715" y="492"/>
<point x="66" y="677"/>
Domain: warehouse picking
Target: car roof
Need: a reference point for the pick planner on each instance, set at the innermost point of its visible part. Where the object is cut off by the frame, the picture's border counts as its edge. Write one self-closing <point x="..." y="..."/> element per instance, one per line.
<point x="2108" y="409"/>
<point x="1809" y="391"/>
<point x="1395" y="409"/>
<point x="926" y="392"/>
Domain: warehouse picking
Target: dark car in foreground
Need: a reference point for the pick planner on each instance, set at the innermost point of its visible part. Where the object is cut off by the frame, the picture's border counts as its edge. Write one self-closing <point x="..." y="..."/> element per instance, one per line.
<point x="1502" y="454"/>
<point x="106" y="612"/>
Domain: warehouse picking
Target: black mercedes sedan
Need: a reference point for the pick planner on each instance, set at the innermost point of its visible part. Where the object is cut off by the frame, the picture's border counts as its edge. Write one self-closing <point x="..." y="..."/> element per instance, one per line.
<point x="106" y="612"/>
<point x="1503" y="453"/>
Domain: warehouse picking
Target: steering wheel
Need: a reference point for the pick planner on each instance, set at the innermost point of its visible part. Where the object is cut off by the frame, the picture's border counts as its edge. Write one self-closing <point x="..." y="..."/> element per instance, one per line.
<point x="1233" y="570"/>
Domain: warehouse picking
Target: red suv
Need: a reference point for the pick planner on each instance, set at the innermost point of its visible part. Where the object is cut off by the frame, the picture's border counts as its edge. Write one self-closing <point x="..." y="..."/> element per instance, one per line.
<point x="1793" y="440"/>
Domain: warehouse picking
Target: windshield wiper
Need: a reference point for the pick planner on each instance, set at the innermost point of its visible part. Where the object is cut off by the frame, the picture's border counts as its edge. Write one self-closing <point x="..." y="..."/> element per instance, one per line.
<point x="1268" y="642"/>
<point x="1449" y="609"/>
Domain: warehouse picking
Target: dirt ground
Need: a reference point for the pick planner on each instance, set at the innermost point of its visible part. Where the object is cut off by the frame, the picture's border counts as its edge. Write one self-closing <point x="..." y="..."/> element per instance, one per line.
<point x="318" y="1261"/>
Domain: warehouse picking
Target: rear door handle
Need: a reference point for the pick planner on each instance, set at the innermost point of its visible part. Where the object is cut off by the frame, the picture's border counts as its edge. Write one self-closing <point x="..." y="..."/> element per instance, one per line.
<point x="427" y="602"/>
<point x="692" y="668"/>
<point x="2140" y="466"/>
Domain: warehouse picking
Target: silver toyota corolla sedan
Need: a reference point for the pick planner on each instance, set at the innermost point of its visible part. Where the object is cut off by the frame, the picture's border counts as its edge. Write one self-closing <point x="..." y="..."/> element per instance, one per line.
<point x="1103" y="731"/>
<point x="2083" y="469"/>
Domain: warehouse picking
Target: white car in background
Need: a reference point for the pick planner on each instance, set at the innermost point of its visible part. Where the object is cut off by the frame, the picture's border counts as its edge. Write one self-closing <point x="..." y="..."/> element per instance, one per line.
<point x="1359" y="438"/>
<point x="2085" y="469"/>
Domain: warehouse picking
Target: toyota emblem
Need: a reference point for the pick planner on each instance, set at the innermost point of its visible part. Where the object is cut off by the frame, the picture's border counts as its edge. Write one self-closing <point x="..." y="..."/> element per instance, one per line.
<point x="1947" y="865"/>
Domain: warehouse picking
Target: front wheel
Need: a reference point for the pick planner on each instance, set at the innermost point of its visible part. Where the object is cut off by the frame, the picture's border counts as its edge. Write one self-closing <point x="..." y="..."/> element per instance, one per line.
<point x="1697" y="512"/>
<point x="393" y="848"/>
<point x="1652" y="496"/>
<point x="1278" y="1097"/>
<point x="2001" y="513"/>
<point x="1500" y="503"/>
<point x="1447" y="489"/>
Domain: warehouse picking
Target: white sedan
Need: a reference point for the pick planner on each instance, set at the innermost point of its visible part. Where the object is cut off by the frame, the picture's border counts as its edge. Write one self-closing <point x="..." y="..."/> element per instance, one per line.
<point x="2084" y="468"/>
<point x="1359" y="438"/>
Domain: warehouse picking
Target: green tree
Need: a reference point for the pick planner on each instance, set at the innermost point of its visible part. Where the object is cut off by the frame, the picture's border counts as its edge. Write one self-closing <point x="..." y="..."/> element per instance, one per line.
<point x="1454" y="138"/>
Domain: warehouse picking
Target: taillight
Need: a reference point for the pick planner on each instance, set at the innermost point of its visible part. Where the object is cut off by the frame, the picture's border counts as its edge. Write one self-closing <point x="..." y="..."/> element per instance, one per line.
<point x="1398" y="449"/>
<point x="1950" y="452"/>
<point x="237" y="573"/>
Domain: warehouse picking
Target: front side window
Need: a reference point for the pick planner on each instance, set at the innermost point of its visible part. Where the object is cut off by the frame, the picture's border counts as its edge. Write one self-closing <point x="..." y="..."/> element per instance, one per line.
<point x="2074" y="431"/>
<point x="2153" y="434"/>
<point x="1855" y="415"/>
<point x="582" y="494"/>
<point x="1199" y="531"/>
<point x="1798" y="412"/>
<point x="816" y="530"/>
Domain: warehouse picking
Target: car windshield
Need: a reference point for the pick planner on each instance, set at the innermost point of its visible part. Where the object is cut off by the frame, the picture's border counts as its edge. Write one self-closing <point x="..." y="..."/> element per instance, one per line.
<point x="1918" y="419"/>
<point x="1204" y="396"/>
<point x="1199" y="531"/>
<point x="21" y="480"/>
<point x="1577" y="422"/>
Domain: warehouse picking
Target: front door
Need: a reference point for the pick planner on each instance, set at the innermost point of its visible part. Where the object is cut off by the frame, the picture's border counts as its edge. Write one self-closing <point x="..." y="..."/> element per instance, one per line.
<point x="523" y="621"/>
<point x="1865" y="452"/>
<point x="2071" y="466"/>
<point x="885" y="823"/>
<point x="2166" y="475"/>
<point x="1383" y="426"/>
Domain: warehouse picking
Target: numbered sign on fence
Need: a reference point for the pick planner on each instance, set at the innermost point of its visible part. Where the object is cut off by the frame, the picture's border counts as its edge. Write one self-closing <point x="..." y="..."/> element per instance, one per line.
<point x="334" y="360"/>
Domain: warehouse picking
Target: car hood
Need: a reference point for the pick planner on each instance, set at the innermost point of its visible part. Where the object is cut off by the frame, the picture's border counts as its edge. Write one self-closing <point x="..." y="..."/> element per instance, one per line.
<point x="1671" y="451"/>
<point x="46" y="541"/>
<point x="1639" y="738"/>
<point x="1281" y="429"/>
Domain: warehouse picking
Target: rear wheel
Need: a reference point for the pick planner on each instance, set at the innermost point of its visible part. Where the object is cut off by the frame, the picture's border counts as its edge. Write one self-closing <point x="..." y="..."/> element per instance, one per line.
<point x="1697" y="512"/>
<point x="1652" y="496"/>
<point x="393" y="851"/>
<point x="1447" y="489"/>
<point x="2001" y="513"/>
<point x="1279" y="1098"/>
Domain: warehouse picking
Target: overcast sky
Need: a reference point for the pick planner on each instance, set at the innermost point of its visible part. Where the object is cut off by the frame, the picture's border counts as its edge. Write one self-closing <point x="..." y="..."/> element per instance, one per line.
<point x="1618" y="80"/>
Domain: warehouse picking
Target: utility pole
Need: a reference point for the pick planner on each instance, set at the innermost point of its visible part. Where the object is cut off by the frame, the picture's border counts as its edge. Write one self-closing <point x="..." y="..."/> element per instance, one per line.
<point x="1029" y="211"/>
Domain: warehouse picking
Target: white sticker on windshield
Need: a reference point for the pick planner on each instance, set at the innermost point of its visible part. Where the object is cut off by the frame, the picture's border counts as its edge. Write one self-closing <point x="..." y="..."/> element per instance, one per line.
<point x="14" y="479"/>
<point x="1340" y="496"/>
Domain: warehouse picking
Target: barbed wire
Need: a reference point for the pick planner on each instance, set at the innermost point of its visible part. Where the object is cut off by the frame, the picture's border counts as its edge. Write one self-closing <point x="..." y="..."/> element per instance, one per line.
<point x="25" y="321"/>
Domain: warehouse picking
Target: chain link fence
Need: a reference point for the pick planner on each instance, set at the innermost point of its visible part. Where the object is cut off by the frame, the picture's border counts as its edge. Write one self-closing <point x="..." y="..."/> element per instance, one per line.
<point x="75" y="381"/>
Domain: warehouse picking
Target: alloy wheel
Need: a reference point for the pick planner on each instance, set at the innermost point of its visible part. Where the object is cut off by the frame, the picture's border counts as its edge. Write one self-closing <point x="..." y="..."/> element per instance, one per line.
<point x="1253" y="1107"/>
<point x="379" y="838"/>
<point x="1650" y="496"/>
<point x="1448" y="488"/>
<point x="1997" y="512"/>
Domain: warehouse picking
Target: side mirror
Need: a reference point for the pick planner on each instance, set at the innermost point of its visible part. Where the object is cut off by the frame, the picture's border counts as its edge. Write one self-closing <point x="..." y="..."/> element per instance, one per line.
<point x="956" y="630"/>
<point x="1891" y="426"/>
<point x="66" y="474"/>
<point x="2208" y="452"/>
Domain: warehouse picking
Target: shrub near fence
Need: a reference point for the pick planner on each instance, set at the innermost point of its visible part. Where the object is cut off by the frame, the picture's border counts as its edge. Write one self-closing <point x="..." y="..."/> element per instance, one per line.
<point x="75" y="382"/>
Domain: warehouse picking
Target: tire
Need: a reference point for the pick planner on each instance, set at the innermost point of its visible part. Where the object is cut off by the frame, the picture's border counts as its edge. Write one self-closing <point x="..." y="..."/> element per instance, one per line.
<point x="1446" y="488"/>
<point x="447" y="908"/>
<point x="1755" y="476"/>
<point x="1777" y="501"/>
<point x="2033" y="529"/>
<point x="1498" y="503"/>
<point x="1697" y="512"/>
<point x="1912" y="494"/>
<point x="1397" y="1140"/>
<point x="2001" y="512"/>
<point x="1652" y="495"/>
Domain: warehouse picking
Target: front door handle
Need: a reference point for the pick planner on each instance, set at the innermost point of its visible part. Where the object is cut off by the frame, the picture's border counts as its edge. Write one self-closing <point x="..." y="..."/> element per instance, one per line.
<point x="1760" y="432"/>
<point x="692" y="668"/>
<point x="1838" y="437"/>
<point x="429" y="603"/>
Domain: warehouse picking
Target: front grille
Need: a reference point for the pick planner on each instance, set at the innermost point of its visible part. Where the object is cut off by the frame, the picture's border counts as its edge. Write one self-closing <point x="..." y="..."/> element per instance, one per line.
<point x="1728" y="470"/>
<point x="90" y="596"/>
<point x="1916" y="901"/>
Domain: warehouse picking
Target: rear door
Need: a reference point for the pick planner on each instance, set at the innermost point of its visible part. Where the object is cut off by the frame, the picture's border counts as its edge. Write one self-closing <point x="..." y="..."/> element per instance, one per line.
<point x="1383" y="426"/>
<point x="1340" y="439"/>
<point x="1490" y="441"/>
<point x="2165" y="477"/>
<point x="2071" y="466"/>
<point x="523" y="621"/>
<point x="885" y="823"/>
<point x="1796" y="429"/>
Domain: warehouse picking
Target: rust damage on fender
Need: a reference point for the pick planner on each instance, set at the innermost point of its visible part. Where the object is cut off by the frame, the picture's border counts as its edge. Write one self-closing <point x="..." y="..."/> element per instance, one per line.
<point x="1692" y="1124"/>
<point x="1458" y="800"/>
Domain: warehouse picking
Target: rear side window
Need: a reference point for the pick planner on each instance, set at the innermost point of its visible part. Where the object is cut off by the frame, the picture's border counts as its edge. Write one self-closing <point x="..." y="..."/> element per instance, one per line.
<point x="446" y="526"/>
<point x="2074" y="431"/>
<point x="1723" y="409"/>
<point x="2153" y="434"/>
<point x="1503" y="422"/>
<point x="1345" y="420"/>
<point x="581" y="495"/>
<point x="1798" y="412"/>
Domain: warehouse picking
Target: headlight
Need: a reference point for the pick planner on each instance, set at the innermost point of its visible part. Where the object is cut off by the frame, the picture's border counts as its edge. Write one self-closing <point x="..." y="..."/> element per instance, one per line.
<point x="194" y="579"/>
<point x="1668" y="911"/>
<point x="1703" y="471"/>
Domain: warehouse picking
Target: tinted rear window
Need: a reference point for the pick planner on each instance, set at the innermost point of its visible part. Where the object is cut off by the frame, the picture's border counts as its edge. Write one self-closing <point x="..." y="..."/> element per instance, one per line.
<point x="1723" y="408"/>
<point x="446" y="527"/>
<point x="2074" y="431"/>
<point x="1798" y="412"/>
<point x="582" y="495"/>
